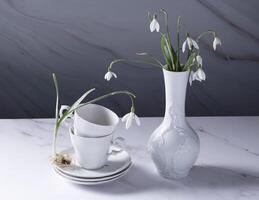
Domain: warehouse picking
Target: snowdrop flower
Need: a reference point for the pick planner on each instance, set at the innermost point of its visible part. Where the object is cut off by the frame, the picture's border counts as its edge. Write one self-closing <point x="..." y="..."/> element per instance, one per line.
<point x="199" y="75"/>
<point x="154" y="25"/>
<point x="129" y="117"/>
<point x="109" y="75"/>
<point x="216" y="42"/>
<point x="191" y="43"/>
<point x="199" y="60"/>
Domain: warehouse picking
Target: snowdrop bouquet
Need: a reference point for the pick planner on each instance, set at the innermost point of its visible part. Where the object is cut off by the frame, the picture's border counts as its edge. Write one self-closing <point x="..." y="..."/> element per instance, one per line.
<point x="173" y="60"/>
<point x="61" y="117"/>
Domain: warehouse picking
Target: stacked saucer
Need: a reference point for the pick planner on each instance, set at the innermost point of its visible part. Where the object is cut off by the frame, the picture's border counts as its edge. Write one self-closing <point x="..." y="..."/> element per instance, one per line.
<point x="118" y="164"/>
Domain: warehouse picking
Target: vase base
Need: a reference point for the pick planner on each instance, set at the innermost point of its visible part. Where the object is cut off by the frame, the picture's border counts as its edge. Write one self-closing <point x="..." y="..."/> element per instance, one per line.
<point x="172" y="175"/>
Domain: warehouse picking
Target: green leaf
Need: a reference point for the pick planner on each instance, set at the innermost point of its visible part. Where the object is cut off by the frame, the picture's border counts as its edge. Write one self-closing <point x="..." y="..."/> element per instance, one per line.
<point x="165" y="51"/>
<point x="190" y="62"/>
<point x="168" y="52"/>
<point x="81" y="99"/>
<point x="150" y="56"/>
<point x="56" y="112"/>
<point x="178" y="42"/>
<point x="57" y="95"/>
<point x="174" y="56"/>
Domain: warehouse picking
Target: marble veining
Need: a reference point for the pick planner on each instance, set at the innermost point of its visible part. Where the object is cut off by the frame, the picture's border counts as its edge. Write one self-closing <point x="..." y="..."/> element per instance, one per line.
<point x="78" y="39"/>
<point x="227" y="167"/>
<point x="228" y="142"/>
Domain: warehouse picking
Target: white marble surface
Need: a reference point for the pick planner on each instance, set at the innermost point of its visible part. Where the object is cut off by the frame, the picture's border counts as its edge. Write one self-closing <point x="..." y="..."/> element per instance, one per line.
<point x="227" y="168"/>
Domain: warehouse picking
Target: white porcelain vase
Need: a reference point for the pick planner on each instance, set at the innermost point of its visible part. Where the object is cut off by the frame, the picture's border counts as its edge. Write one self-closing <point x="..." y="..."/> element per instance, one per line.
<point x="174" y="145"/>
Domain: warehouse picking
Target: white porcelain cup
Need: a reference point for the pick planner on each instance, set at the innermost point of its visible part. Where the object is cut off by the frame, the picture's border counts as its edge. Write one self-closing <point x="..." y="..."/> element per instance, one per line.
<point x="93" y="120"/>
<point x="91" y="153"/>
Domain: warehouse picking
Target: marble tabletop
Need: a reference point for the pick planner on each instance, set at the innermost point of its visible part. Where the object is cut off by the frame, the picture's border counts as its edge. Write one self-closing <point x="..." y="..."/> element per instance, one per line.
<point x="227" y="167"/>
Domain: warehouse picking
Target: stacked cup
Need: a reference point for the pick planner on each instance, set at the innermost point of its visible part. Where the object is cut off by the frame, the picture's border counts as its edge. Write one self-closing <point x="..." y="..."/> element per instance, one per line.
<point x="92" y="134"/>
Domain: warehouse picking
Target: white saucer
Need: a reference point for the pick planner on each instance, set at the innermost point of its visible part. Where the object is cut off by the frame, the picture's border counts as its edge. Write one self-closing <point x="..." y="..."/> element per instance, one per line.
<point x="92" y="181"/>
<point x="116" y="163"/>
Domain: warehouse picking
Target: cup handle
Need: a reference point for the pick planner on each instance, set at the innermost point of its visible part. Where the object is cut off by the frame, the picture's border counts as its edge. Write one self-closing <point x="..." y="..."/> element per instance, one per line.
<point x="62" y="109"/>
<point x="117" y="145"/>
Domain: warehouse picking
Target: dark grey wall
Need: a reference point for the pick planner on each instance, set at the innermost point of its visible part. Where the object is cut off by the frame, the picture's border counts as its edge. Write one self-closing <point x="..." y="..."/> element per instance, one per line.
<point x="77" y="39"/>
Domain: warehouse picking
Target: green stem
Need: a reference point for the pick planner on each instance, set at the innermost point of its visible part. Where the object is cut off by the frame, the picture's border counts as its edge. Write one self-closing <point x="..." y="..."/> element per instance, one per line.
<point x="134" y="61"/>
<point x="169" y="51"/>
<point x="131" y="95"/>
<point x="178" y="40"/>
<point x="205" y="33"/>
<point x="54" y="150"/>
<point x="152" y="57"/>
<point x="171" y="56"/>
<point x="169" y="45"/>
<point x="166" y="24"/>
<point x="56" y="113"/>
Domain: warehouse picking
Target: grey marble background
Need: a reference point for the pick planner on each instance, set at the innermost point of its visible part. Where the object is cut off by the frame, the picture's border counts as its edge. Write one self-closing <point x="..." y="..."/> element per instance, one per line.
<point x="77" y="39"/>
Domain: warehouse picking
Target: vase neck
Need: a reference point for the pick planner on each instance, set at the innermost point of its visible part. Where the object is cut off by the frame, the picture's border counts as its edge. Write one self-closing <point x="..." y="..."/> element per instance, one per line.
<point x="175" y="92"/>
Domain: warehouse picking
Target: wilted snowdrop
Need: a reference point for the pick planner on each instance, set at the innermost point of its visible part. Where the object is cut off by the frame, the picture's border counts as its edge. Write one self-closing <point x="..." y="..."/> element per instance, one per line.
<point x="216" y="42"/>
<point x="109" y="75"/>
<point x="154" y="25"/>
<point x="129" y="118"/>
<point x="191" y="43"/>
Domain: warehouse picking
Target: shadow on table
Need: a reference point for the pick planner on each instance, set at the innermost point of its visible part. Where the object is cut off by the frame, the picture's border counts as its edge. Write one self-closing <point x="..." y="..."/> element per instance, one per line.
<point x="201" y="177"/>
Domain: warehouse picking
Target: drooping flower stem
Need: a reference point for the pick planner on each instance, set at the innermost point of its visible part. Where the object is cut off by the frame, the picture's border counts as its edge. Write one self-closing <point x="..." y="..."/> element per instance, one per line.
<point x="133" y="61"/>
<point x="206" y="33"/>
<point x="151" y="57"/>
<point x="63" y="117"/>
<point x="166" y="25"/>
<point x="78" y="104"/>
<point x="131" y="95"/>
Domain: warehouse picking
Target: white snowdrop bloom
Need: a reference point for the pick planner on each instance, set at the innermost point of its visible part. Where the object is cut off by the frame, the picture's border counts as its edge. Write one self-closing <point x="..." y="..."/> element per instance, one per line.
<point x="129" y="118"/>
<point x="109" y="75"/>
<point x="191" y="43"/>
<point x="154" y="25"/>
<point x="199" y="75"/>
<point x="216" y="42"/>
<point x="199" y="60"/>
